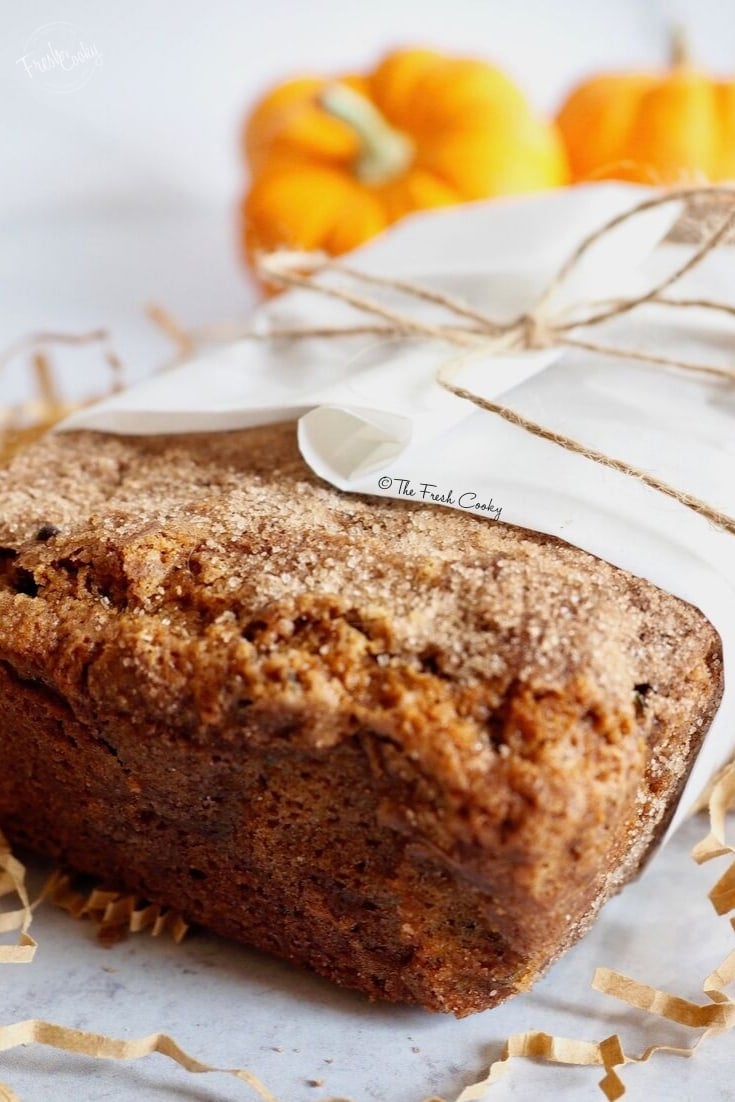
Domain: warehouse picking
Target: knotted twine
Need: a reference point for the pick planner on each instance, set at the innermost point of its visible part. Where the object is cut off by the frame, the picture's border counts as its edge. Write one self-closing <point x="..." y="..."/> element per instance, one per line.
<point x="540" y="328"/>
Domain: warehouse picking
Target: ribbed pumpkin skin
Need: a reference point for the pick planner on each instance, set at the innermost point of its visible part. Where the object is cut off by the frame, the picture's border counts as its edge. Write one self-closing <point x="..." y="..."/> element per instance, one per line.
<point x="669" y="128"/>
<point x="472" y="136"/>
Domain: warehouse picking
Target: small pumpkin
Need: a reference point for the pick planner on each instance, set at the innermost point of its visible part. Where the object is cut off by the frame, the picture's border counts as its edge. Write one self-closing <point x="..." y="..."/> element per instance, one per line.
<point x="671" y="127"/>
<point x="335" y="162"/>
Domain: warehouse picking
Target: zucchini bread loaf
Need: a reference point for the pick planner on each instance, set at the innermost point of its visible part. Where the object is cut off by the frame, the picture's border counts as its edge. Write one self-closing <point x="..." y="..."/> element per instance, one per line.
<point x="410" y="748"/>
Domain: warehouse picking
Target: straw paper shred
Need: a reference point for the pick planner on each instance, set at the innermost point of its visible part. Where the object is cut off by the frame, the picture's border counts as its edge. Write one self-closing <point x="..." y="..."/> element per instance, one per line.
<point x="13" y="882"/>
<point x="115" y="913"/>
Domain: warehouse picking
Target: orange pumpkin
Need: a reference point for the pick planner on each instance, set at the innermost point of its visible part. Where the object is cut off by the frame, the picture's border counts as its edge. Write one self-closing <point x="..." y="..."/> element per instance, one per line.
<point x="333" y="163"/>
<point x="672" y="127"/>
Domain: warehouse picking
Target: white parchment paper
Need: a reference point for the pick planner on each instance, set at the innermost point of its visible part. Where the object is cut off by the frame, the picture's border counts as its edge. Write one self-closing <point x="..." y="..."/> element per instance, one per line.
<point x="373" y="420"/>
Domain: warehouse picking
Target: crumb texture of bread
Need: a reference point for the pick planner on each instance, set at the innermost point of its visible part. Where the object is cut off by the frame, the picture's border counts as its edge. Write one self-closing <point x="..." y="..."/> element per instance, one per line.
<point x="412" y="749"/>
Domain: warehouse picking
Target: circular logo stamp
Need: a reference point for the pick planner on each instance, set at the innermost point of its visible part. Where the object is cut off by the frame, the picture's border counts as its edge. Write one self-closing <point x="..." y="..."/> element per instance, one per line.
<point x="59" y="57"/>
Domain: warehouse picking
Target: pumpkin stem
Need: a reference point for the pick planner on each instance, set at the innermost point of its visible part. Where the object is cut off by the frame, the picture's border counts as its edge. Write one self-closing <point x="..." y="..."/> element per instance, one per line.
<point x="680" y="47"/>
<point x="385" y="153"/>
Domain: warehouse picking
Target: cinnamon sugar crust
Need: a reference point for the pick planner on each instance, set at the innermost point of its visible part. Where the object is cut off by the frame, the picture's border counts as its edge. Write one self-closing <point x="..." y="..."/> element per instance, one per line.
<point x="408" y="747"/>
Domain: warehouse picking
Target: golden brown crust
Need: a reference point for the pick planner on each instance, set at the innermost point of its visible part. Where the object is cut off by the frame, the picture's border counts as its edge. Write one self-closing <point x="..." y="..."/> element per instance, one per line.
<point x="514" y="714"/>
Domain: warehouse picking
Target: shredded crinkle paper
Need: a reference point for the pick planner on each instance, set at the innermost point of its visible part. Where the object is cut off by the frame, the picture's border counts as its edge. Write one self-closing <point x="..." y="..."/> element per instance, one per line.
<point x="118" y="912"/>
<point x="13" y="882"/>
<point x="100" y="1047"/>
<point x="115" y="913"/>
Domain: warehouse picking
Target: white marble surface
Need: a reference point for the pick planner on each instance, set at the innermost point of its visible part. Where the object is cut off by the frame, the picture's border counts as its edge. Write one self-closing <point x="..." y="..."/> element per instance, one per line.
<point x="230" y="1006"/>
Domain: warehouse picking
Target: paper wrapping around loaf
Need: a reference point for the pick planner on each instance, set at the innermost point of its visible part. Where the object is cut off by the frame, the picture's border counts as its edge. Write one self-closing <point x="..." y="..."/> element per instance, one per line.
<point x="373" y="419"/>
<point x="410" y="748"/>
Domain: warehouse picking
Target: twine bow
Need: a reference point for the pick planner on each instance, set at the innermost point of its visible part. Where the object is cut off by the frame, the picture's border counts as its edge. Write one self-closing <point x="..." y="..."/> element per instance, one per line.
<point x="540" y="328"/>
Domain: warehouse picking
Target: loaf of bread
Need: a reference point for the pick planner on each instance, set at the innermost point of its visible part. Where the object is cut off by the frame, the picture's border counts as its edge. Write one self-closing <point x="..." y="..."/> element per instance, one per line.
<point x="410" y="748"/>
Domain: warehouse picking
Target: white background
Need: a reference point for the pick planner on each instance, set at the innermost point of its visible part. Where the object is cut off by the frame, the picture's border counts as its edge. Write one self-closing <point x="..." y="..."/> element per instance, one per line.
<point x="124" y="192"/>
<point x="157" y="126"/>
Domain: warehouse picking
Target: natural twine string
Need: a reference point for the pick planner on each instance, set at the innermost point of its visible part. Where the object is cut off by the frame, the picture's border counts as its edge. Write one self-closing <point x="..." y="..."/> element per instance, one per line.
<point x="540" y="328"/>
